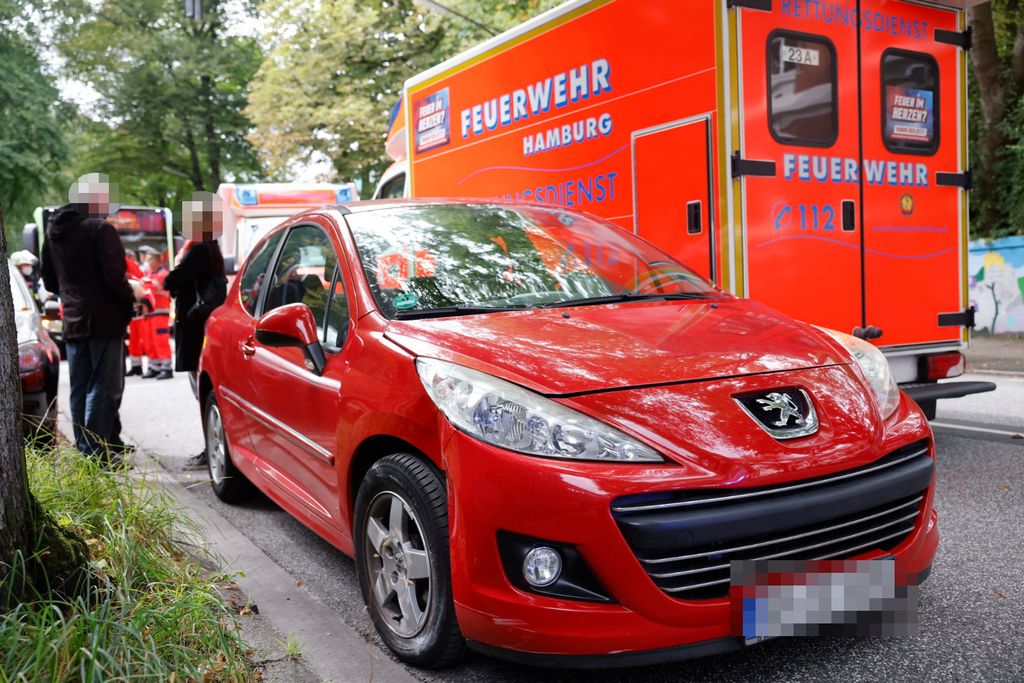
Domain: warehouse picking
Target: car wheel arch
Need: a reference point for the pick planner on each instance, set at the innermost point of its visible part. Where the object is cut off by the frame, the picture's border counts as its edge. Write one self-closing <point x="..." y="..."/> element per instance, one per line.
<point x="371" y="450"/>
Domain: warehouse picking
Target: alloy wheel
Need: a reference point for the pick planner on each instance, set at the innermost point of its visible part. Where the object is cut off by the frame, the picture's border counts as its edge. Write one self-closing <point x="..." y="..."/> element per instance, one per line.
<point x="216" y="451"/>
<point x="398" y="564"/>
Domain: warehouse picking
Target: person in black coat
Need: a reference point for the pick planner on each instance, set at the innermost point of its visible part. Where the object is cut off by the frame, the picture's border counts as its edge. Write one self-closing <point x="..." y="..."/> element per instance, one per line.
<point x="83" y="263"/>
<point x="199" y="275"/>
<point x="198" y="285"/>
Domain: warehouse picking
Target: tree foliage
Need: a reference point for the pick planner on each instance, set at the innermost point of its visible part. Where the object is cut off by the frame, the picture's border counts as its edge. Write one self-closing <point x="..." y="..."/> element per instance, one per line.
<point x="997" y="118"/>
<point x="32" y="148"/>
<point x="335" y="68"/>
<point x="169" y="119"/>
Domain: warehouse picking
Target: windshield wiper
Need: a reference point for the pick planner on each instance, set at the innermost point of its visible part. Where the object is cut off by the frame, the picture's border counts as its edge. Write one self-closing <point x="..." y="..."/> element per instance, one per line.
<point x="445" y="311"/>
<point x="625" y="296"/>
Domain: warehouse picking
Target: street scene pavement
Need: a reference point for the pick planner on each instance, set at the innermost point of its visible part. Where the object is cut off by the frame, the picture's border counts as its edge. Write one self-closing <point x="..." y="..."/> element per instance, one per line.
<point x="970" y="608"/>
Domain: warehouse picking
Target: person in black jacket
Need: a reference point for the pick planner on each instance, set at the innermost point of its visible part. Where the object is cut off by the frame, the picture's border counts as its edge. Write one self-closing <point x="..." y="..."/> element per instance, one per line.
<point x="198" y="285"/>
<point x="83" y="263"/>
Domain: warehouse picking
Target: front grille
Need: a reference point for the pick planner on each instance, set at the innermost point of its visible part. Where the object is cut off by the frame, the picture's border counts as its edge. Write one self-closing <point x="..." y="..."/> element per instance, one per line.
<point x="685" y="540"/>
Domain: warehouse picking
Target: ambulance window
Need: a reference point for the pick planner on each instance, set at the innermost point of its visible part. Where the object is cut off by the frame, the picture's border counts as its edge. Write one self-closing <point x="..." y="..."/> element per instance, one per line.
<point x="802" y="91"/>
<point x="394" y="188"/>
<point x="910" y="102"/>
<point x="254" y="273"/>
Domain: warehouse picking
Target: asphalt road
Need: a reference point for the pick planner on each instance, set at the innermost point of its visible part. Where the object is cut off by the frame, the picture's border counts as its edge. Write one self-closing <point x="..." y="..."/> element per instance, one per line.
<point x="971" y="611"/>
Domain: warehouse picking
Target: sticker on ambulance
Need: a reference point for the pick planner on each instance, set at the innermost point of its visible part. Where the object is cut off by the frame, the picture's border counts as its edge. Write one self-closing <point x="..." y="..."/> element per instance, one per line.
<point x="800" y="55"/>
<point x="433" y="127"/>
<point x="909" y="114"/>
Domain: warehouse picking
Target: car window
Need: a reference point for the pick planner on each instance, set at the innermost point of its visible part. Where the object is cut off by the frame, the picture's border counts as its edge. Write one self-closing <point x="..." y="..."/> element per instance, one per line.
<point x="304" y="273"/>
<point x="802" y="89"/>
<point x="336" y="321"/>
<point x="22" y="298"/>
<point x="254" y="273"/>
<point x="429" y="257"/>
<point x="910" y="95"/>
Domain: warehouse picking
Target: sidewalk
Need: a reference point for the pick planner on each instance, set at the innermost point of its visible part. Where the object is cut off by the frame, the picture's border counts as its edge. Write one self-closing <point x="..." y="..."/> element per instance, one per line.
<point x="996" y="354"/>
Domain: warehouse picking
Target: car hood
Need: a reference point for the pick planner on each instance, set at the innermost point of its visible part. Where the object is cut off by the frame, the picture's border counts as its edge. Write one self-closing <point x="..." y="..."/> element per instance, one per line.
<point x="586" y="349"/>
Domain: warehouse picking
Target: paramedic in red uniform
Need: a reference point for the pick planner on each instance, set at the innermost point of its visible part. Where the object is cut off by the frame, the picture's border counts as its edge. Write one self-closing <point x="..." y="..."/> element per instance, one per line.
<point x="159" y="320"/>
<point x="138" y="328"/>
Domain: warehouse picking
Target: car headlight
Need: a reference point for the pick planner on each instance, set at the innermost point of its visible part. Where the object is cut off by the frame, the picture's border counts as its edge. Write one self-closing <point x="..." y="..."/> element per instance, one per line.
<point x="875" y="367"/>
<point x="508" y="416"/>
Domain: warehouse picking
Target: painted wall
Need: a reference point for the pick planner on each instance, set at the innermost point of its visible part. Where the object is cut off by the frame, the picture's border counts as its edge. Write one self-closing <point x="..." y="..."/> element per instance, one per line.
<point x="996" y="277"/>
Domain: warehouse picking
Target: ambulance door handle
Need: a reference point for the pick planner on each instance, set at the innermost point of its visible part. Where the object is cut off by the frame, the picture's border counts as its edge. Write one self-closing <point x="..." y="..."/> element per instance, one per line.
<point x="247" y="347"/>
<point x="849" y="215"/>
<point x="694" y="222"/>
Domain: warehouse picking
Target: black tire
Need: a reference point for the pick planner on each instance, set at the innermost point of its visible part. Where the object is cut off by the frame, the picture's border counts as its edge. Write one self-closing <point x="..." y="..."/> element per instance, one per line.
<point x="421" y="490"/>
<point x="230" y="485"/>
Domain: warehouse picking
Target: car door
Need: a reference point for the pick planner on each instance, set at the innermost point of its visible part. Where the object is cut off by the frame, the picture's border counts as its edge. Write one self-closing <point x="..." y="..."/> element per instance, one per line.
<point x="231" y="344"/>
<point x="294" y="430"/>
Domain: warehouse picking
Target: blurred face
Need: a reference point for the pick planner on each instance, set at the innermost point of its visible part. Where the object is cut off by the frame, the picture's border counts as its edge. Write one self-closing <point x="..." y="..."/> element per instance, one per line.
<point x="153" y="261"/>
<point x="202" y="217"/>
<point x="94" y="191"/>
<point x="25" y="269"/>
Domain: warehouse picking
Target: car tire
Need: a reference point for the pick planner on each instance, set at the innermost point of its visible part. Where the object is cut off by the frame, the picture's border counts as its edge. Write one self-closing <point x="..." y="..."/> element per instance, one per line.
<point x="405" y="567"/>
<point x="230" y="485"/>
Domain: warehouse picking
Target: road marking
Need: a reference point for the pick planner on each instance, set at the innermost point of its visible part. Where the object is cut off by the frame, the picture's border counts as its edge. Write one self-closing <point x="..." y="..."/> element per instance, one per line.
<point x="985" y="430"/>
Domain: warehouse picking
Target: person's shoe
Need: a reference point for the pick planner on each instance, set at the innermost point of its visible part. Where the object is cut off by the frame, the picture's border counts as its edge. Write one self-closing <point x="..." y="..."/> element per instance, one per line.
<point x="136" y="370"/>
<point x="150" y="373"/>
<point x="196" y="462"/>
<point x="164" y="374"/>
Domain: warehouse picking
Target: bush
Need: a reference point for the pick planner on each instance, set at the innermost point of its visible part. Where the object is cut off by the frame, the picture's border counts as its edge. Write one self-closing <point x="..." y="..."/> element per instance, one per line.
<point x="150" y="612"/>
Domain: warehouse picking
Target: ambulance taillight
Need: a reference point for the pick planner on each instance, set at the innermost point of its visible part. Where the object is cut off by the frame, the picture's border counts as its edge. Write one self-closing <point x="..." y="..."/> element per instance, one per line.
<point x="943" y="365"/>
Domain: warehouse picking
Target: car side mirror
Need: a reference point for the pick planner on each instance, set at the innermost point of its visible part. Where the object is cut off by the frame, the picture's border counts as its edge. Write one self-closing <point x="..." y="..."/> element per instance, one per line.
<point x="51" y="310"/>
<point x="293" y="325"/>
<point x="230" y="267"/>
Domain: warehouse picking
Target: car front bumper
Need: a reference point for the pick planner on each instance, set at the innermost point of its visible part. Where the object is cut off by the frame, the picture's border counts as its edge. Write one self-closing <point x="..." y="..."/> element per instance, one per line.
<point x="492" y="491"/>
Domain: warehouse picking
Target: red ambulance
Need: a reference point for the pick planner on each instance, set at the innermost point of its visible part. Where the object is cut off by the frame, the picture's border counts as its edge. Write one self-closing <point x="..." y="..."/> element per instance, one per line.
<point x="808" y="154"/>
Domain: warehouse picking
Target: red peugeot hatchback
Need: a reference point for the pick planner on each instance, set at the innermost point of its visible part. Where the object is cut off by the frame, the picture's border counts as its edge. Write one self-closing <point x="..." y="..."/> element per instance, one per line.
<point x="543" y="438"/>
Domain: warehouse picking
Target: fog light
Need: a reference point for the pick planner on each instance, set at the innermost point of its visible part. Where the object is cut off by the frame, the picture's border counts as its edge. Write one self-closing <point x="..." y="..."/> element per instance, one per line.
<point x="542" y="566"/>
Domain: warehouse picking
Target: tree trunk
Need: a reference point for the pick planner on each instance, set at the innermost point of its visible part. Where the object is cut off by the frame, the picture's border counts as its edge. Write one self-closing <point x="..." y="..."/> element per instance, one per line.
<point x="193" y="153"/>
<point x="210" y="128"/>
<point x="15" y="502"/>
<point x="992" y="93"/>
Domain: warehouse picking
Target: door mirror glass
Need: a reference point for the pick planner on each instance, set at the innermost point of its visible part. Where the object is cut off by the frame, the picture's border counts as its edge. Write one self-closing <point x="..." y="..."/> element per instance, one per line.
<point x="292" y="325"/>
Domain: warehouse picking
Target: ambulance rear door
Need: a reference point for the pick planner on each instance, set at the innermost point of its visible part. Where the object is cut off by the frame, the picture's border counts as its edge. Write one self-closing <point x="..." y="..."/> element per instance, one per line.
<point x="798" y="158"/>
<point x="912" y="171"/>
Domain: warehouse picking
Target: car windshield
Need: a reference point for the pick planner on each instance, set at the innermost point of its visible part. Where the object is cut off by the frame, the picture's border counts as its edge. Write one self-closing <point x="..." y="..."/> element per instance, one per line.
<point x="457" y="258"/>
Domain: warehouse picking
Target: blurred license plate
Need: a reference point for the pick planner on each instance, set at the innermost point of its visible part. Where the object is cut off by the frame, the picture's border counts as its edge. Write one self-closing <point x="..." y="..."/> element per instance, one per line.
<point x="787" y="598"/>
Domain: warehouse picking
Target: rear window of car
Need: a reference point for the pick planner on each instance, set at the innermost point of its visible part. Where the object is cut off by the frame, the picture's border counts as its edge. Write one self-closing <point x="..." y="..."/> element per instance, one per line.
<point x="21" y="300"/>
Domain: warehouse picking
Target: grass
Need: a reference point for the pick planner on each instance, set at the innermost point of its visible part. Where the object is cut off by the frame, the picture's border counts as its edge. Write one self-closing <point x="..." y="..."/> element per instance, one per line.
<point x="151" y="613"/>
<point x="292" y="647"/>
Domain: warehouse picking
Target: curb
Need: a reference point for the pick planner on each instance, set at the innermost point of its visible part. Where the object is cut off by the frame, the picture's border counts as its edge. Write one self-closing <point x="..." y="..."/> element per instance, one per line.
<point x="331" y="649"/>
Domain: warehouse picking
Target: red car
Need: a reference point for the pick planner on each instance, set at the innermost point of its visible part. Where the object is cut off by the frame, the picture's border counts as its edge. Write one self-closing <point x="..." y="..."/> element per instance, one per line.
<point x="541" y="437"/>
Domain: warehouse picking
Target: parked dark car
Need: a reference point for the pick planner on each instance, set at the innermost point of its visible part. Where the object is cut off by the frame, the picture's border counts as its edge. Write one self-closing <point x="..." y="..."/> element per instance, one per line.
<point x="38" y="362"/>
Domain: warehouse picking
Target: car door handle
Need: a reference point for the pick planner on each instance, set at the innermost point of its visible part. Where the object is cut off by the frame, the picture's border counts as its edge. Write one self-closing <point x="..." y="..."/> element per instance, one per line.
<point x="247" y="347"/>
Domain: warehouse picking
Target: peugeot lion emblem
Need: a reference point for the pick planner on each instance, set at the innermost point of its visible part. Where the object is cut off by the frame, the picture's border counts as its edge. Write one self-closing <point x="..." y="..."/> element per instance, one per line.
<point x="783" y="413"/>
<point x="786" y="406"/>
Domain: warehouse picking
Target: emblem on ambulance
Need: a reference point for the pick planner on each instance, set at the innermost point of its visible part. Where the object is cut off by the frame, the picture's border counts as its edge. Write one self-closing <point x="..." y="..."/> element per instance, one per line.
<point x="783" y="413"/>
<point x="906" y="205"/>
